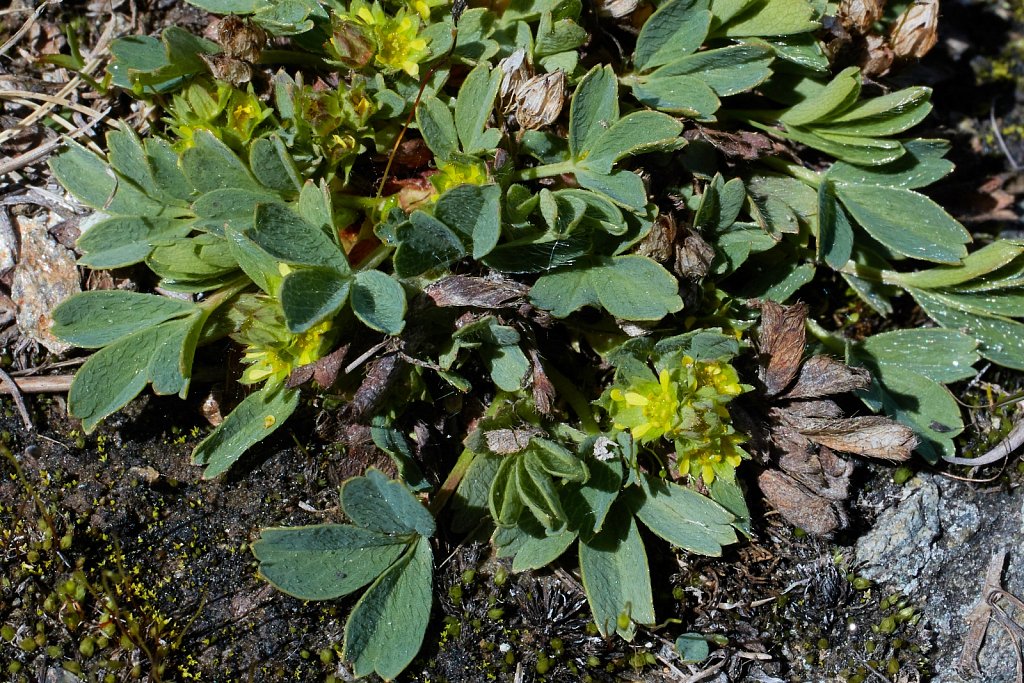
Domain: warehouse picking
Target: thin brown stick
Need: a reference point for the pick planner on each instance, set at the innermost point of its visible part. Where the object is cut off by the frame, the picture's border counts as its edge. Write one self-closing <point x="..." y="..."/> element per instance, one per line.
<point x="19" y="401"/>
<point x="43" y="150"/>
<point x="978" y="618"/>
<point x="26" y="26"/>
<point x="48" y="384"/>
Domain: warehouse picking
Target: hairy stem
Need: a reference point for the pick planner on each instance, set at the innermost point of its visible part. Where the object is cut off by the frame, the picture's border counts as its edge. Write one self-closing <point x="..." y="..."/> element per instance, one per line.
<point x="544" y="171"/>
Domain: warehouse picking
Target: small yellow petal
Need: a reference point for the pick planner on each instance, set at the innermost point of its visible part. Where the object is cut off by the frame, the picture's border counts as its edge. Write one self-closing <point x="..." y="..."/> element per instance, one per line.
<point x="635" y="399"/>
<point x="707" y="474"/>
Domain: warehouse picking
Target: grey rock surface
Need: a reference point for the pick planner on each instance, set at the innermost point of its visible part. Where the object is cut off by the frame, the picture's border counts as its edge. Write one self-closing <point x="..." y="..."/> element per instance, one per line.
<point x="935" y="546"/>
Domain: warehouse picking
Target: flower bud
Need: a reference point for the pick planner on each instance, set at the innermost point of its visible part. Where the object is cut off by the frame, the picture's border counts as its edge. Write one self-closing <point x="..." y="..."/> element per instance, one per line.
<point x="539" y="100"/>
<point x="350" y="45"/>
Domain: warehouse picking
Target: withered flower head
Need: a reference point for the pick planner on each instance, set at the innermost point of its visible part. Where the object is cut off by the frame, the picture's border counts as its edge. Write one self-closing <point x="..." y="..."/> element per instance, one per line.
<point x="616" y="9"/>
<point x="539" y="100"/>
<point x="916" y="31"/>
<point x="859" y="16"/>
<point x="515" y="70"/>
<point x="797" y="428"/>
<point x="240" y="38"/>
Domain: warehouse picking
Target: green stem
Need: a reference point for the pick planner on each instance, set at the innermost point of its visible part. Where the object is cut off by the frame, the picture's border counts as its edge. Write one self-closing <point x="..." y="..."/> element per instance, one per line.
<point x="439" y="500"/>
<point x="545" y="171"/>
<point x="804" y="175"/>
<point x="218" y="298"/>
<point x="864" y="272"/>
<point x="375" y="258"/>
<point x="461" y="466"/>
<point x="830" y="341"/>
<point x="579" y="404"/>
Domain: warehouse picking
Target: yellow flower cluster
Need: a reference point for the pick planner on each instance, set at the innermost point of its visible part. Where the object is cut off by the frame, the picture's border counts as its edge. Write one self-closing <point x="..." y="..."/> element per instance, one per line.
<point x="685" y="404"/>
<point x="271" y="351"/>
<point x="399" y="45"/>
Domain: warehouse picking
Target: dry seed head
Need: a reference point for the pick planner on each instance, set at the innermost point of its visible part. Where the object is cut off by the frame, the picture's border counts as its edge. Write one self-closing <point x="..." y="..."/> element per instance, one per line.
<point x="616" y="9"/>
<point x="539" y="100"/>
<point x="515" y="71"/>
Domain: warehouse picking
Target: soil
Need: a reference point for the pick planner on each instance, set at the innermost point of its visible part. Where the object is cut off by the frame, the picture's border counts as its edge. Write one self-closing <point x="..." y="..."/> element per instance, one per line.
<point x="118" y="562"/>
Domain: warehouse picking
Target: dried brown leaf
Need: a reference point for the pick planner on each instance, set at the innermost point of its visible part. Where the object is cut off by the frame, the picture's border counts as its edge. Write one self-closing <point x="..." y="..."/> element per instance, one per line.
<point x="476" y="292"/>
<point x="324" y="370"/>
<point x="659" y="244"/>
<point x="780" y="344"/>
<point x="826" y="376"/>
<point x="798" y="506"/>
<point x="743" y="145"/>
<point x="876" y="57"/>
<point x="872" y="436"/>
<point x="817" y="408"/>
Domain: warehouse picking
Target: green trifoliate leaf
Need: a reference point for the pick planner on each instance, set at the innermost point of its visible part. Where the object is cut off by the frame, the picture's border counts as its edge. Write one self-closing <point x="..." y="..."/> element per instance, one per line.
<point x="921" y="165"/>
<point x="378" y="301"/>
<point x="834" y="98"/>
<point x="530" y="546"/>
<point x="942" y="355"/>
<point x="1001" y="340"/>
<point x="95" y="184"/>
<point x="425" y="243"/>
<point x="324" y="561"/>
<point x="437" y="127"/>
<point x="473" y="109"/>
<point x="587" y="504"/>
<point x="594" y="107"/>
<point x="885" y="115"/>
<point x="311" y="295"/>
<point x="727" y="71"/>
<point x="128" y="157"/>
<point x="769" y="18"/>
<point x="273" y="166"/>
<point x="161" y="354"/>
<point x="254" y="419"/>
<point x="375" y="502"/>
<point x="470" y="502"/>
<point x="210" y="165"/>
<point x="685" y="518"/>
<point x="124" y="240"/>
<point x="557" y="37"/>
<point x="474" y="212"/>
<point x="628" y="287"/>
<point x="617" y="580"/>
<point x="677" y="28"/>
<point x="864" y="151"/>
<point x="835" y="233"/>
<point x="687" y="95"/>
<point x="315" y="205"/>
<point x="625" y="188"/>
<point x="386" y="627"/>
<point x="976" y="265"/>
<point x="288" y="237"/>
<point x="906" y="222"/>
<point x="635" y="133"/>
<point x="229" y="209"/>
<point x="167" y="173"/>
<point x="94" y="319"/>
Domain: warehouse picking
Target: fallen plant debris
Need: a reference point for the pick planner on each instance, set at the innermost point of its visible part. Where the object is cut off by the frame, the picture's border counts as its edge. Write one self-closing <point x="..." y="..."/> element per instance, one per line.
<point x="489" y="226"/>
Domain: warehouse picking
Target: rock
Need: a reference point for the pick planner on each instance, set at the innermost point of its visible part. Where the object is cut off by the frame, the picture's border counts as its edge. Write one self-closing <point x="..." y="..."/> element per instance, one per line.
<point x="45" y="275"/>
<point x="935" y="546"/>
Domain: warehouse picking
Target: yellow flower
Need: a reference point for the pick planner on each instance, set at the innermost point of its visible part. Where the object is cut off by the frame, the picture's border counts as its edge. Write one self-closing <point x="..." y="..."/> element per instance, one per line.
<point x="274" y="361"/>
<point x="454" y="173"/>
<point x="717" y="456"/>
<point x="399" y="47"/>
